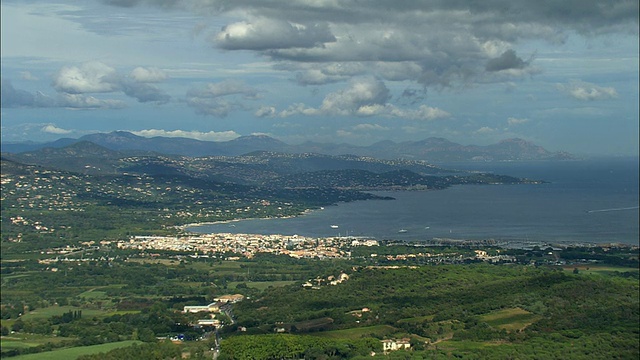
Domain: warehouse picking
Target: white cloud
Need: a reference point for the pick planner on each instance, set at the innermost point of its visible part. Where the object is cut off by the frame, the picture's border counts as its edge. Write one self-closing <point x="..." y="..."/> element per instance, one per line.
<point x="515" y="121"/>
<point x="96" y="77"/>
<point x="52" y="129"/>
<point x="79" y="101"/>
<point x="364" y="97"/>
<point x="265" y="111"/>
<point x="145" y="75"/>
<point x="484" y="130"/>
<point x="92" y="77"/>
<point x="369" y="127"/>
<point x="198" y="135"/>
<point x="585" y="91"/>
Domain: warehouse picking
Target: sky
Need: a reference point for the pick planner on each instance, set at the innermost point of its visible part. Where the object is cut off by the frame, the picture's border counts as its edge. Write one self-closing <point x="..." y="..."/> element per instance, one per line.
<point x="560" y="73"/>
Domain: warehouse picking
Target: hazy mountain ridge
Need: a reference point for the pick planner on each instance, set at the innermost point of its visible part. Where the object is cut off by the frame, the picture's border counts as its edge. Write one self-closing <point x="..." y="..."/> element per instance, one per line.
<point x="253" y="168"/>
<point x="430" y="149"/>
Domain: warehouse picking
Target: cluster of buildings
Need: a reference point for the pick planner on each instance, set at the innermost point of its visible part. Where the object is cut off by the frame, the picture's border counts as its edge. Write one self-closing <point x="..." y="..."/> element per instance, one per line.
<point x="248" y="245"/>
<point x="212" y="309"/>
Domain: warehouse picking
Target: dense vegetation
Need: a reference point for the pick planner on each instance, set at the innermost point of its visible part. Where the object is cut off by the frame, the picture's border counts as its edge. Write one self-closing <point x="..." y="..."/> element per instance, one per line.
<point x="473" y="311"/>
<point x="66" y="285"/>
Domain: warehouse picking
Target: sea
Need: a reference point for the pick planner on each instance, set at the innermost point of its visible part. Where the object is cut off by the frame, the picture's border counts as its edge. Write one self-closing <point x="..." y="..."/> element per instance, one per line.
<point x="592" y="201"/>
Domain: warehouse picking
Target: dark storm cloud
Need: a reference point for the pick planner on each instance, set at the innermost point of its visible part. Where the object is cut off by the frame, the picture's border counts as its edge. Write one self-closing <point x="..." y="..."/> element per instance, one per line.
<point x="144" y="92"/>
<point x="12" y="97"/>
<point x="265" y="34"/>
<point x="508" y="60"/>
<point x="432" y="42"/>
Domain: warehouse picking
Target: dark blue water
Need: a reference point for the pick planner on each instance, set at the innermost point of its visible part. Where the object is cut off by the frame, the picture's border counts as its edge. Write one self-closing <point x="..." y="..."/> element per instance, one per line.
<point x="590" y="201"/>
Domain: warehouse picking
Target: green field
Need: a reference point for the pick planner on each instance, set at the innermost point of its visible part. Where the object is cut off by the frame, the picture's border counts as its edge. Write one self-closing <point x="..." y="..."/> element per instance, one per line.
<point x="467" y="346"/>
<point x="510" y="319"/>
<point x="260" y="285"/>
<point x="75" y="352"/>
<point x="20" y="340"/>
<point x="599" y="269"/>
<point x="419" y="319"/>
<point x="56" y="310"/>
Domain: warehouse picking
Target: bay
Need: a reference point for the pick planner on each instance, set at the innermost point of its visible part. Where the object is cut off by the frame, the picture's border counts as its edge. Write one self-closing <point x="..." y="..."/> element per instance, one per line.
<point x="586" y="201"/>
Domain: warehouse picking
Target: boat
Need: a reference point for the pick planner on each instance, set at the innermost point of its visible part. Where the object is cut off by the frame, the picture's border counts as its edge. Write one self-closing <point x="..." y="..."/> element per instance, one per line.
<point x="402" y="231"/>
<point x="334" y="226"/>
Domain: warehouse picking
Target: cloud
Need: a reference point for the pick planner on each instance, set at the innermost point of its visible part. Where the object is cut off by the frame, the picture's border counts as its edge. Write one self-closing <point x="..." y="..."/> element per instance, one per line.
<point x="219" y="99"/>
<point x="443" y="43"/>
<point x="52" y="129"/>
<point x="269" y="34"/>
<point x="587" y="91"/>
<point x="369" y="127"/>
<point x="265" y="111"/>
<point x="14" y="98"/>
<point x="144" y="92"/>
<point x="198" y="135"/>
<point x="485" y="130"/>
<point x="433" y="43"/>
<point x="515" y="121"/>
<point x="96" y="77"/>
<point x="92" y="77"/>
<point x="225" y="88"/>
<point x="146" y="75"/>
<point x="78" y="101"/>
<point x="508" y="60"/>
<point x="364" y="97"/>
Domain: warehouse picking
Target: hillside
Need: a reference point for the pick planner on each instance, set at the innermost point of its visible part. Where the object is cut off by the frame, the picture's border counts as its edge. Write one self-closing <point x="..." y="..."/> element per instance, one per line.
<point x="431" y="149"/>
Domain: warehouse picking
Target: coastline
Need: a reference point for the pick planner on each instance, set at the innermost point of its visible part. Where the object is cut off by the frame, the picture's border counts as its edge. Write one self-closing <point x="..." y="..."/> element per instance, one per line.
<point x="220" y="222"/>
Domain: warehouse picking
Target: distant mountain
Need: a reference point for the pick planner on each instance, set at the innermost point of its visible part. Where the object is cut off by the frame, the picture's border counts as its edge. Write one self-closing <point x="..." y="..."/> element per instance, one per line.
<point x="82" y="156"/>
<point x="253" y="168"/>
<point x="430" y="149"/>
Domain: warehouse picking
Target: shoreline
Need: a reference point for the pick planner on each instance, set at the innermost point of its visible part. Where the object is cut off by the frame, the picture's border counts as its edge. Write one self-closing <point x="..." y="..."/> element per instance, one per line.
<point x="220" y="222"/>
<point x="514" y="243"/>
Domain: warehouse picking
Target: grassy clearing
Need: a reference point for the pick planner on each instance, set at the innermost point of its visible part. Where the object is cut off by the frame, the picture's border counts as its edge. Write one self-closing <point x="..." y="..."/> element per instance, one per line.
<point x="416" y="320"/>
<point x="15" y="341"/>
<point x="215" y="265"/>
<point x="93" y="295"/>
<point x="599" y="269"/>
<point x="260" y="285"/>
<point x="9" y="277"/>
<point x="357" y="333"/>
<point x="510" y="319"/>
<point x="50" y="311"/>
<point x="191" y="284"/>
<point x="75" y="352"/>
<point x="465" y="345"/>
<point x="122" y="312"/>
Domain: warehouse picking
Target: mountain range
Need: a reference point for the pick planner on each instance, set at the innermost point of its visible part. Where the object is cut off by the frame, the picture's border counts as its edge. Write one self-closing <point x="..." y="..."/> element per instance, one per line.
<point x="431" y="149"/>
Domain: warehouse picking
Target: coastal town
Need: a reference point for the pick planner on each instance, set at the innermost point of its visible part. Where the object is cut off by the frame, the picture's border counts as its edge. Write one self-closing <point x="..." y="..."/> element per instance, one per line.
<point x="295" y="246"/>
